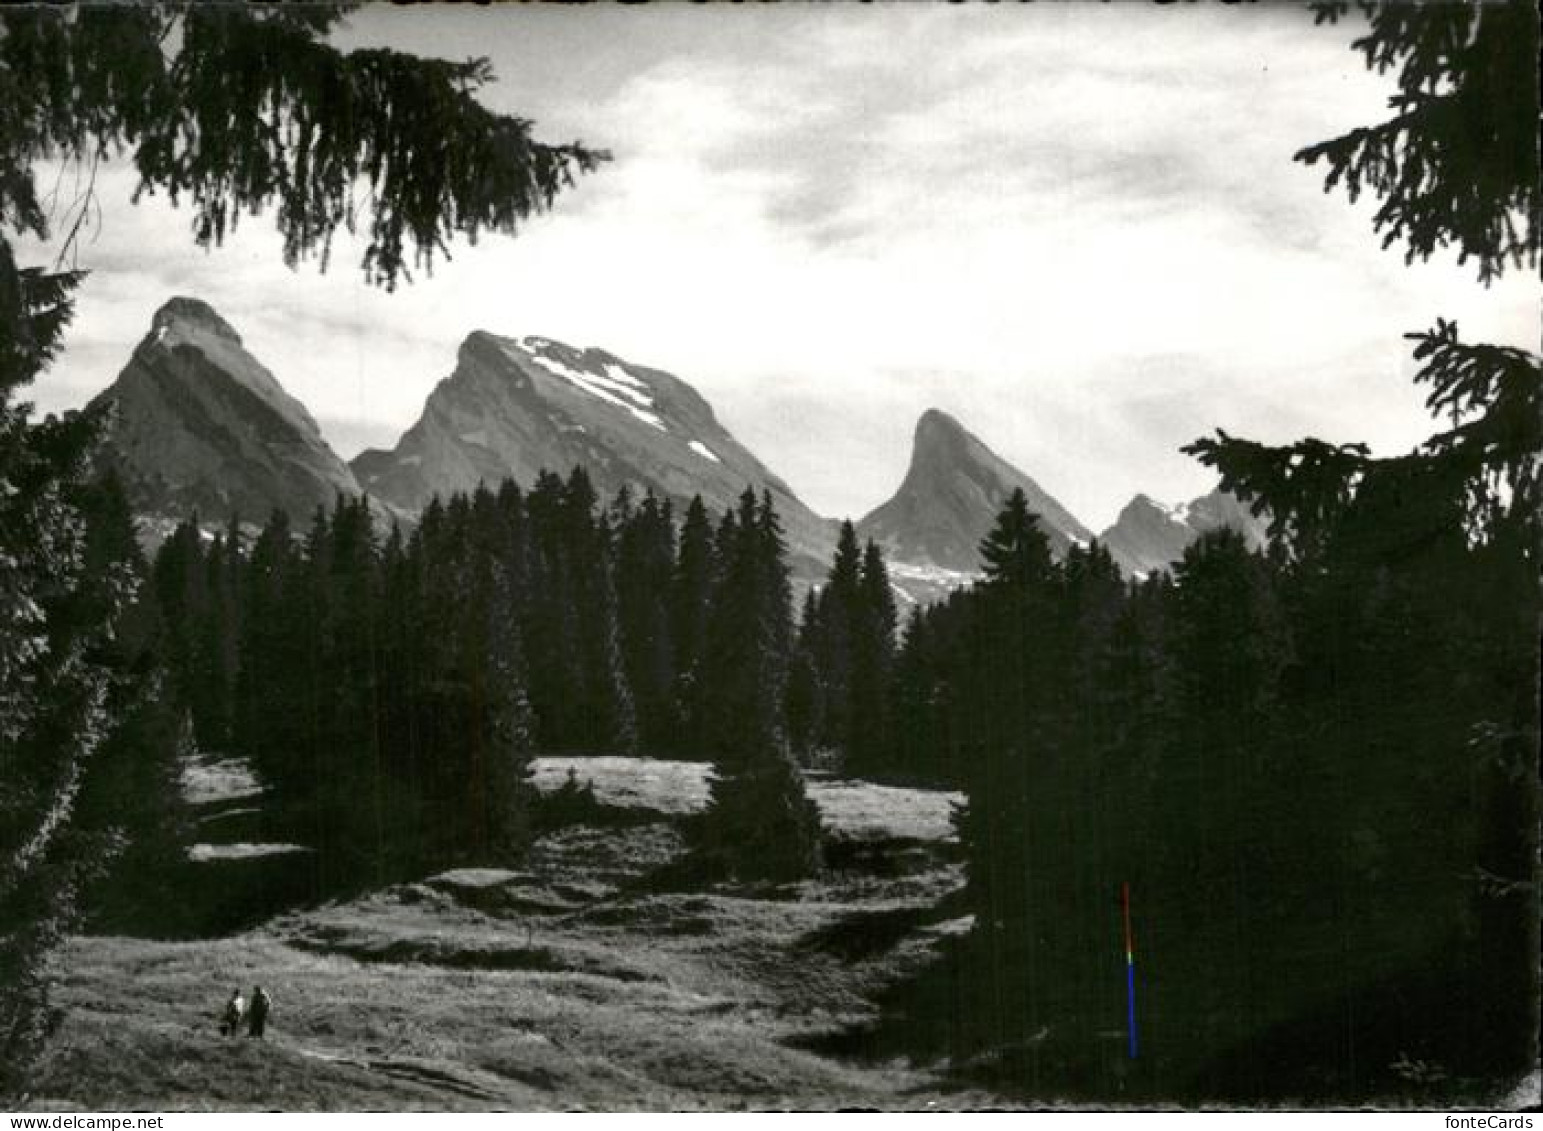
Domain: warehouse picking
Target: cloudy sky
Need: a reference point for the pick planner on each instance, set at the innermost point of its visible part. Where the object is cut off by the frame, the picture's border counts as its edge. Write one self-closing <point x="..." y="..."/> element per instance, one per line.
<point x="1078" y="228"/>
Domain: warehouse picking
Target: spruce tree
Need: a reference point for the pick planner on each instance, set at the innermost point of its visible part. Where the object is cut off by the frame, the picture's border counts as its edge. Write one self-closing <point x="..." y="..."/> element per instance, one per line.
<point x="873" y="654"/>
<point x="510" y="795"/>
<point x="804" y="700"/>
<point x="839" y="603"/>
<point x="130" y="804"/>
<point x="551" y="623"/>
<point x="1375" y="548"/>
<point x="645" y="564"/>
<point x="759" y="823"/>
<point x="690" y="598"/>
<point x="1008" y="737"/>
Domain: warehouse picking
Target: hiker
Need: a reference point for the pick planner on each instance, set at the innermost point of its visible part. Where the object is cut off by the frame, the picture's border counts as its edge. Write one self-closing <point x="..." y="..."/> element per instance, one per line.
<point x="235" y="1010"/>
<point x="257" y="1016"/>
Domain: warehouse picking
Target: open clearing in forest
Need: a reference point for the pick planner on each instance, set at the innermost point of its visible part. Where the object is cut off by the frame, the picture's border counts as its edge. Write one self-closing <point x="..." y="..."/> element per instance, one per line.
<point x="571" y="983"/>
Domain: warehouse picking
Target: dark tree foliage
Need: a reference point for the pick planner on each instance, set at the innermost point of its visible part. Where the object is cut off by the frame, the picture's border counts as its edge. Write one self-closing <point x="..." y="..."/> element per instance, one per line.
<point x="1259" y="750"/>
<point x="645" y="566"/>
<point x="844" y="661"/>
<point x="392" y="691"/>
<point x="606" y="717"/>
<point x="130" y="803"/>
<point x="381" y="690"/>
<point x="71" y="687"/>
<point x="1015" y="555"/>
<point x="1457" y="163"/>
<point x="759" y="824"/>
<point x="579" y="689"/>
<point x="922" y="694"/>
<point x="690" y="597"/>
<point x="805" y="699"/>
<point x="1431" y="560"/>
<point x="1316" y="767"/>
<point x="836" y="615"/>
<point x="59" y="612"/>
<point x="232" y="108"/>
<point x="873" y="655"/>
<point x="256" y="110"/>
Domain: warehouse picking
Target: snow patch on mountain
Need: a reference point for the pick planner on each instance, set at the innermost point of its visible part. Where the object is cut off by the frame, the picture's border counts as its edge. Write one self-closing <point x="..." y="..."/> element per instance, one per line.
<point x="619" y="374"/>
<point x="920" y="584"/>
<point x="623" y="392"/>
<point x="517" y="405"/>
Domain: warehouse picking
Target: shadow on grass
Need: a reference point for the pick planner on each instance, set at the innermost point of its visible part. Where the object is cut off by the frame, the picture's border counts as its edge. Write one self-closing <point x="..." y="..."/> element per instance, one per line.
<point x="1390" y="1043"/>
<point x="452" y="955"/>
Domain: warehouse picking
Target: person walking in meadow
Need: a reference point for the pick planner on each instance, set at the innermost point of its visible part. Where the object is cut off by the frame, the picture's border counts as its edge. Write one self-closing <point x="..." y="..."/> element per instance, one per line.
<point x="257" y="1015"/>
<point x="235" y="1011"/>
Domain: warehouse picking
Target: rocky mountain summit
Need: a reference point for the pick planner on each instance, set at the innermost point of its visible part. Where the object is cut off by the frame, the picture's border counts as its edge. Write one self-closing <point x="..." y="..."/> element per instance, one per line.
<point x="950" y="497"/>
<point x="196" y="423"/>
<point x="1148" y="536"/>
<point x="515" y="406"/>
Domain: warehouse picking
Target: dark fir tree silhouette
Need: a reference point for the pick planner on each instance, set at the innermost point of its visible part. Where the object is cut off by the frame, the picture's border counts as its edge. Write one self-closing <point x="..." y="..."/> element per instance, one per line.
<point x="805" y="699"/>
<point x="690" y="597"/>
<point x="874" y="622"/>
<point x="645" y="566"/>
<point x="837" y="613"/>
<point x="1386" y="550"/>
<point x="843" y="662"/>
<point x="605" y="718"/>
<point x="759" y="823"/>
<point x="1315" y="766"/>
<point x="1457" y="163"/>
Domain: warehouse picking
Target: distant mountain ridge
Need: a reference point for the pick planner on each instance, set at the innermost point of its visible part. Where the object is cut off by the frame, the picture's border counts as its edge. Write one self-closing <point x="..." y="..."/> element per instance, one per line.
<point x="513" y="406"/>
<point x="196" y="423"/>
<point x="1147" y="536"/>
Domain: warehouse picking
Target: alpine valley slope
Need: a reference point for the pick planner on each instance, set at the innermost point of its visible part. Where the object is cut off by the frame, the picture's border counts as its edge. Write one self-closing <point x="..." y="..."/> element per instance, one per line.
<point x="515" y="406"/>
<point x="195" y="423"/>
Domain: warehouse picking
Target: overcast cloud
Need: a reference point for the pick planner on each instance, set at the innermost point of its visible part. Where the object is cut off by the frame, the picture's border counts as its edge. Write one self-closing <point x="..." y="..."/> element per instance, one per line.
<point x="1077" y="228"/>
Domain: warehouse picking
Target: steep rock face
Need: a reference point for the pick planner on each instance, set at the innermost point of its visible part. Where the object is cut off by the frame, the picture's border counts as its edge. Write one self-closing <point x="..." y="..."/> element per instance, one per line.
<point x="516" y="406"/>
<point x="195" y="422"/>
<point x="1218" y="509"/>
<point x="950" y="498"/>
<point x="1147" y="536"/>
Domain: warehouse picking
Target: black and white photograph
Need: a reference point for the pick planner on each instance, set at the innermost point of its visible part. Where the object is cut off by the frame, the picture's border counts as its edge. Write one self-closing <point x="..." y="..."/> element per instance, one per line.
<point x="776" y="557"/>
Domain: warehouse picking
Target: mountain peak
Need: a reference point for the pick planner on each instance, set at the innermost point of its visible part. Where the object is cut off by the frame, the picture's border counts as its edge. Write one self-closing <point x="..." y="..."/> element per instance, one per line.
<point x="941" y="439"/>
<point x="1143" y="502"/>
<point x="1148" y="536"/>
<point x="952" y="492"/>
<point x="936" y="420"/>
<point x="199" y="424"/>
<point x="514" y="406"/>
<point x="194" y="310"/>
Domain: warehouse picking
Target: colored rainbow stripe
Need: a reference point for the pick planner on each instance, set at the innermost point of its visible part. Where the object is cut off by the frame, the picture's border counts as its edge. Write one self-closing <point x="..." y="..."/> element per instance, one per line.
<point x="1130" y="970"/>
